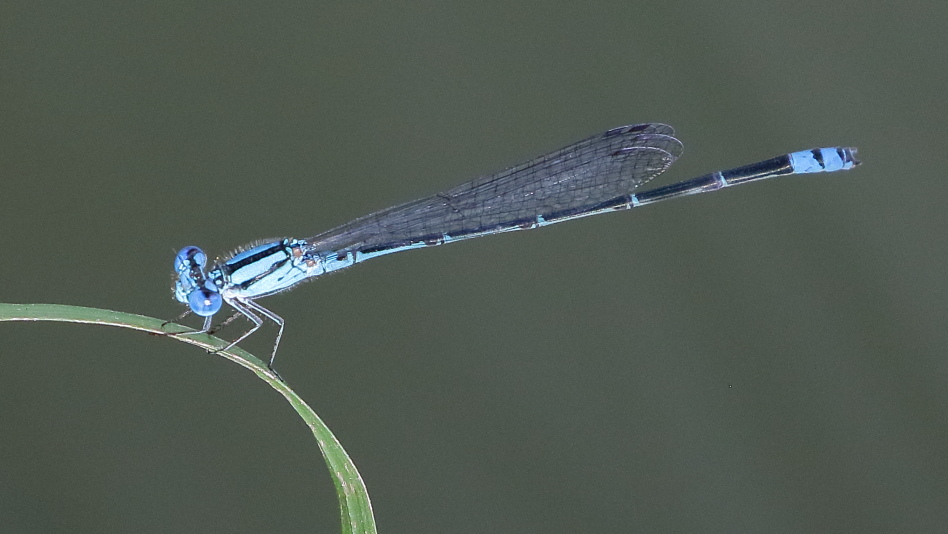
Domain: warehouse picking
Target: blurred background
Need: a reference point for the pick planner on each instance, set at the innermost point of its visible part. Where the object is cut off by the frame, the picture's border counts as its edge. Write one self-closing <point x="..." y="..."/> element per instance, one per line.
<point x="771" y="358"/>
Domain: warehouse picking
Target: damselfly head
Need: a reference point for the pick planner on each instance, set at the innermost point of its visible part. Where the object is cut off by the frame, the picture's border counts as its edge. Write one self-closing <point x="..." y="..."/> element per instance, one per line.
<point x="191" y="285"/>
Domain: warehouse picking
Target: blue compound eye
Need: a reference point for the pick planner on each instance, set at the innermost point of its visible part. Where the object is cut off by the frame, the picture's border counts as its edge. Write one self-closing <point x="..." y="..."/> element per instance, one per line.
<point x="189" y="256"/>
<point x="204" y="302"/>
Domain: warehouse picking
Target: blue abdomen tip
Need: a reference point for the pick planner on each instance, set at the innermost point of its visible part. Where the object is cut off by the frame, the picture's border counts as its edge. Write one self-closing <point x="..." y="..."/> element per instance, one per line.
<point x="823" y="160"/>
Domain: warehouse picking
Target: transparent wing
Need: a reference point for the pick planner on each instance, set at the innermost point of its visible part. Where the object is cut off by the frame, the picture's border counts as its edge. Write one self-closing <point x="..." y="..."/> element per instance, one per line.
<point x="569" y="181"/>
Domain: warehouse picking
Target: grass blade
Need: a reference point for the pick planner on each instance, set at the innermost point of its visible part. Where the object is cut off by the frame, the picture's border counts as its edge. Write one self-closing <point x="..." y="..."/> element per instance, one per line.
<point x="356" y="509"/>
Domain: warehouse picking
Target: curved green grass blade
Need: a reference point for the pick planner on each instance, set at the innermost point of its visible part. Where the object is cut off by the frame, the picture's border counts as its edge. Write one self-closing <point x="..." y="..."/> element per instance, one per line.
<point x="354" y="501"/>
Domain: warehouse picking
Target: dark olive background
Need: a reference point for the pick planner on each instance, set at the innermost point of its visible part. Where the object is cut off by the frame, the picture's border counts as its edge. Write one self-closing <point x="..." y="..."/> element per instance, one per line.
<point x="772" y="358"/>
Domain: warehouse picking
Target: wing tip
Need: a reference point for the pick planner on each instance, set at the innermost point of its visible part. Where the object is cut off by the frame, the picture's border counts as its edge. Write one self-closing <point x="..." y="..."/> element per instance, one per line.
<point x="641" y="128"/>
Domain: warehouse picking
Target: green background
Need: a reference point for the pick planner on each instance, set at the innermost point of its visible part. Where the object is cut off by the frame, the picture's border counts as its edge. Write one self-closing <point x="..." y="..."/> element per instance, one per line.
<point x="773" y="358"/>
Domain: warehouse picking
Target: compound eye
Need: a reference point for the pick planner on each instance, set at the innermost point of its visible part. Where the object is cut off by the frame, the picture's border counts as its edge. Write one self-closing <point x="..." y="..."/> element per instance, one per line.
<point x="189" y="256"/>
<point x="204" y="302"/>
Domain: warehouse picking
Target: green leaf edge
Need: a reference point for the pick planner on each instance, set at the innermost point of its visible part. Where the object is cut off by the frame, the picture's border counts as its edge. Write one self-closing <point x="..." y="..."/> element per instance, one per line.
<point x="354" y="503"/>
